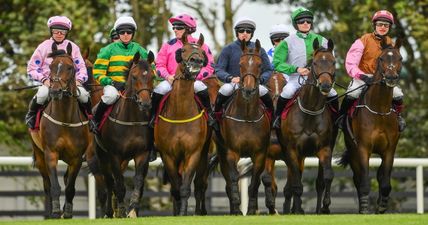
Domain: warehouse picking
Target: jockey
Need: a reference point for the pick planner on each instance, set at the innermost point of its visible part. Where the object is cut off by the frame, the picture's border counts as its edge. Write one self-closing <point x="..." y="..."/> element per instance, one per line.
<point x="278" y="32"/>
<point x="166" y="65"/>
<point x="361" y="64"/>
<point x="114" y="36"/>
<point x="38" y="67"/>
<point x="228" y="68"/>
<point x="111" y="63"/>
<point x="292" y="55"/>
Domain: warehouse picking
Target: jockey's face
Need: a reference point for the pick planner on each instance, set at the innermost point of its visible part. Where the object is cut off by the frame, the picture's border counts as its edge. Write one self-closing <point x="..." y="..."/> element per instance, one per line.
<point x="126" y="36"/>
<point x="244" y="34"/>
<point x="382" y="28"/>
<point x="59" y="35"/>
<point x="179" y="31"/>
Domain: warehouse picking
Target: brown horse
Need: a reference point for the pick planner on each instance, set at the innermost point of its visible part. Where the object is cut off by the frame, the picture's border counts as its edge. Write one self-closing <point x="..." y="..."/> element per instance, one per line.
<point x="244" y="131"/>
<point x="374" y="129"/>
<point x="125" y="136"/>
<point x="63" y="135"/>
<point x="182" y="135"/>
<point x="94" y="88"/>
<point x="308" y="130"/>
<point x="275" y="84"/>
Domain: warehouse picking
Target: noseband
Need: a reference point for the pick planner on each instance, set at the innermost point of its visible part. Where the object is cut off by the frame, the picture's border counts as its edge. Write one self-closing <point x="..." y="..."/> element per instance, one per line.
<point x="64" y="90"/>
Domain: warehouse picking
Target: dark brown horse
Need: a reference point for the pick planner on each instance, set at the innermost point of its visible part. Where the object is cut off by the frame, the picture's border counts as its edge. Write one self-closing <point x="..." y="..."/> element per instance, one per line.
<point x="63" y="135"/>
<point x="244" y="131"/>
<point x="275" y="84"/>
<point x="94" y="88"/>
<point x="182" y="135"/>
<point x="308" y="130"/>
<point x="374" y="129"/>
<point x="125" y="136"/>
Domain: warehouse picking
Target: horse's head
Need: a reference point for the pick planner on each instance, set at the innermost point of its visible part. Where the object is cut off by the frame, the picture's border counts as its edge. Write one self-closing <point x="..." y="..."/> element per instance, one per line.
<point x="250" y="69"/>
<point x="139" y="81"/>
<point x="323" y="67"/>
<point x="191" y="58"/>
<point x="62" y="73"/>
<point x="389" y="63"/>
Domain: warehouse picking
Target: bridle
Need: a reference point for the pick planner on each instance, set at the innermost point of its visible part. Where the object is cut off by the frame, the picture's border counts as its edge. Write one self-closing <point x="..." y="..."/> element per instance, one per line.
<point x="255" y="76"/>
<point x="55" y="78"/>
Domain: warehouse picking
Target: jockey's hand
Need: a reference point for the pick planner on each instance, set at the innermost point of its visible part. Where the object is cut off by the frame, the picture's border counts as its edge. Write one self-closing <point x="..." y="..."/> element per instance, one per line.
<point x="235" y="80"/>
<point x="47" y="83"/>
<point x="367" y="78"/>
<point x="120" y="86"/>
<point x="303" y="71"/>
<point x="170" y="79"/>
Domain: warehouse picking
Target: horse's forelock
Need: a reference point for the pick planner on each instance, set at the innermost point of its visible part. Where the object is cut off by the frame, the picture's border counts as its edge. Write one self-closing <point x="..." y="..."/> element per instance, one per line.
<point x="57" y="53"/>
<point x="143" y="64"/>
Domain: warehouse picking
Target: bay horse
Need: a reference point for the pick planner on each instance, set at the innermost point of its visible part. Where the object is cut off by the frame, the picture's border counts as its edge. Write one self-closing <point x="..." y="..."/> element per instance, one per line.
<point x="94" y="87"/>
<point x="374" y="129"/>
<point x="244" y="131"/>
<point x="182" y="135"/>
<point x="308" y="130"/>
<point x="63" y="134"/>
<point x="275" y="84"/>
<point x="124" y="136"/>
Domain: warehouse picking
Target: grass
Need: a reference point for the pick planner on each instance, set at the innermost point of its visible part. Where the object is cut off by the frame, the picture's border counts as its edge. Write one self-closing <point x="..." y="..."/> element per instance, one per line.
<point x="345" y="219"/>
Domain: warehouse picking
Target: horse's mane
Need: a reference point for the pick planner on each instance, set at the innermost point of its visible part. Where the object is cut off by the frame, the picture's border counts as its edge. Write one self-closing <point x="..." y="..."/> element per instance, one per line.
<point x="57" y="53"/>
<point x="143" y="64"/>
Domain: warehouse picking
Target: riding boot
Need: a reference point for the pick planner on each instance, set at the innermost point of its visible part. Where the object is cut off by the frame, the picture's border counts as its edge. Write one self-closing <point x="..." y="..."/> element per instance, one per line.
<point x="156" y="99"/>
<point x="346" y="104"/>
<point x="398" y="107"/>
<point x="267" y="101"/>
<point x="219" y="101"/>
<point x="280" y="105"/>
<point x="98" y="116"/>
<point x="205" y="100"/>
<point x="334" y="103"/>
<point x="30" y="117"/>
<point x="87" y="107"/>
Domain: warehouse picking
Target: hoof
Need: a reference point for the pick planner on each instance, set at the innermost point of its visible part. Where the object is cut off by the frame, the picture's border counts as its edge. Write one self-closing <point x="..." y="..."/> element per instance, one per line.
<point x="132" y="214"/>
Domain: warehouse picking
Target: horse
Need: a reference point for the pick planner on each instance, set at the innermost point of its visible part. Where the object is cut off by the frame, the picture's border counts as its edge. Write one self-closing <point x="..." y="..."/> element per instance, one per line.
<point x="244" y="130"/>
<point x="125" y="136"/>
<point x="275" y="84"/>
<point x="309" y="130"/>
<point x="93" y="86"/>
<point x="182" y="135"/>
<point x="63" y="134"/>
<point x="374" y="129"/>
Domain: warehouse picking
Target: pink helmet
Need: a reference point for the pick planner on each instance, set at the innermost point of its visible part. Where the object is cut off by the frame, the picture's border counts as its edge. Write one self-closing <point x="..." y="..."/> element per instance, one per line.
<point x="190" y="21"/>
<point x="383" y="15"/>
<point x="59" y="22"/>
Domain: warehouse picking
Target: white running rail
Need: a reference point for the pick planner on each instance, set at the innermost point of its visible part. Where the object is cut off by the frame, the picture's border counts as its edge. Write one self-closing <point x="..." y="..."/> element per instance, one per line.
<point x="418" y="163"/>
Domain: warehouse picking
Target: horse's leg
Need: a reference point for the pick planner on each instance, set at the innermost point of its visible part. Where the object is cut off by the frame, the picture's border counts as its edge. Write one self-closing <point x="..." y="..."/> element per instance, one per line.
<point x="39" y="162"/>
<point x="287" y="193"/>
<point x="119" y="186"/>
<point x="253" y="189"/>
<point x="295" y="167"/>
<point x="201" y="184"/>
<point x="268" y="179"/>
<point x="324" y="179"/>
<point x="189" y="169"/>
<point x="51" y="159"/>
<point x="173" y="176"/>
<point x="141" y="167"/>
<point x="109" y="208"/>
<point x="384" y="181"/>
<point x="228" y="166"/>
<point x="70" y="191"/>
<point x="360" y="167"/>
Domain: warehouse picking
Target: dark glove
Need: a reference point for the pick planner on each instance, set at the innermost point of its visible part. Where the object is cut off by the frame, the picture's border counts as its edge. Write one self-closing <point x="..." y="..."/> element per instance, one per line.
<point x="120" y="86"/>
<point x="367" y="78"/>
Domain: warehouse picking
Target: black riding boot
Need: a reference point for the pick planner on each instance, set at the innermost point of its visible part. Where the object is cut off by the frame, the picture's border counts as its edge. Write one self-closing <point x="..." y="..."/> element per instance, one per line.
<point x="156" y="99"/>
<point x="398" y="107"/>
<point x="267" y="100"/>
<point x="219" y="101"/>
<point x="280" y="105"/>
<point x="87" y="107"/>
<point x="334" y="102"/>
<point x="30" y="117"/>
<point x="344" y="107"/>
<point x="205" y="100"/>
<point x="98" y="116"/>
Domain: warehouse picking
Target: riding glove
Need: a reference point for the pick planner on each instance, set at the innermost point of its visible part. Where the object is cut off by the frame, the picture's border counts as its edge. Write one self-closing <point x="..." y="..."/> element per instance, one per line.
<point x="120" y="86"/>
<point x="367" y="78"/>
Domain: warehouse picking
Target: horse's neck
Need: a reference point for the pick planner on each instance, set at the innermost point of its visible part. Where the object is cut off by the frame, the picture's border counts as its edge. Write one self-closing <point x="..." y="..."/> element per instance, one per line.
<point x="378" y="97"/>
<point x="64" y="110"/>
<point x="181" y="99"/>
<point x="311" y="98"/>
<point x="246" y="108"/>
<point x="128" y="110"/>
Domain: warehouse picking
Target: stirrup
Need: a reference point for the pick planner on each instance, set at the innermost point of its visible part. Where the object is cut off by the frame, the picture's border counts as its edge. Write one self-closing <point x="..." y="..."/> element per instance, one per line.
<point x="277" y="122"/>
<point x="339" y="121"/>
<point x="152" y="122"/>
<point x="93" y="127"/>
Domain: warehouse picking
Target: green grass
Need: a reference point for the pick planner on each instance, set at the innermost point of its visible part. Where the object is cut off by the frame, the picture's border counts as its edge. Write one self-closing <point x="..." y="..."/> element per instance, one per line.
<point x="388" y="219"/>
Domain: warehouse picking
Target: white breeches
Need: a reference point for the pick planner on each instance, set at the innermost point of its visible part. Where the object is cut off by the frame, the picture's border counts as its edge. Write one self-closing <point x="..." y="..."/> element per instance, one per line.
<point x="110" y="95"/>
<point x="165" y="87"/>
<point x="228" y="88"/>
<point x="293" y="85"/>
<point x="43" y="94"/>
<point x="397" y="93"/>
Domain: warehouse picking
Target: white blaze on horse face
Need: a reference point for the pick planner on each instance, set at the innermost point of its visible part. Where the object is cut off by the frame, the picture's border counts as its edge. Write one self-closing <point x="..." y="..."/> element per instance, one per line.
<point x="323" y="57"/>
<point x="250" y="61"/>
<point x="59" y="67"/>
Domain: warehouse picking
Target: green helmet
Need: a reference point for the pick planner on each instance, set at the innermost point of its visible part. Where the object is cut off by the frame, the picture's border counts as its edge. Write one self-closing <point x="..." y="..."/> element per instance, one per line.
<point x="299" y="13"/>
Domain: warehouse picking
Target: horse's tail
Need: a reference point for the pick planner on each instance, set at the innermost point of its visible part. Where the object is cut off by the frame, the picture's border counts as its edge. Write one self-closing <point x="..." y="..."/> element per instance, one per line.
<point x="345" y="159"/>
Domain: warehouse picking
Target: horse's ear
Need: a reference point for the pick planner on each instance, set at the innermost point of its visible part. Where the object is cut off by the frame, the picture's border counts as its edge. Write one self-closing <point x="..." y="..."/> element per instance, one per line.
<point x="178" y="56"/>
<point x="258" y="46"/>
<point x="136" y="58"/>
<point x="316" y="44"/>
<point x="54" y="47"/>
<point x="201" y="39"/>
<point x="383" y="43"/>
<point x="243" y="45"/>
<point x="398" y="43"/>
<point x="69" y="48"/>
<point x="330" y="45"/>
<point x="86" y="55"/>
<point x="205" y="58"/>
<point x="150" y="57"/>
